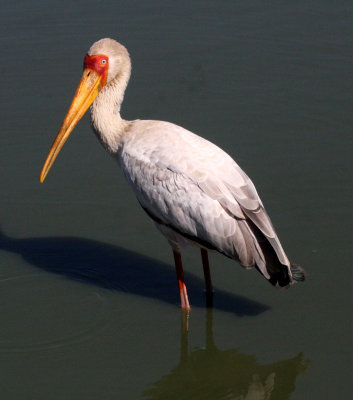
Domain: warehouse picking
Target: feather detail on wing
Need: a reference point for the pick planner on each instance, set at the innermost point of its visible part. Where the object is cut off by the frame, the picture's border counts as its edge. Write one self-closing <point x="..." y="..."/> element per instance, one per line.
<point x="194" y="188"/>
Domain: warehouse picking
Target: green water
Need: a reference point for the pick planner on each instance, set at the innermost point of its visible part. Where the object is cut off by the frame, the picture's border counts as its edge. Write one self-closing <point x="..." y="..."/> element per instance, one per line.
<point x="89" y="303"/>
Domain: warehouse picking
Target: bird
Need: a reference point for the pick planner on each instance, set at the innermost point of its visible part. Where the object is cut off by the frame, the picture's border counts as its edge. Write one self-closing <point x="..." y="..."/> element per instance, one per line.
<point x="193" y="190"/>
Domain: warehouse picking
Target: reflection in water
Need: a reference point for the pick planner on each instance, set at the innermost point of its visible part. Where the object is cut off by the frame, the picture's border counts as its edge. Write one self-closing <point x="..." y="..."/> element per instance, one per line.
<point x="115" y="268"/>
<point x="210" y="373"/>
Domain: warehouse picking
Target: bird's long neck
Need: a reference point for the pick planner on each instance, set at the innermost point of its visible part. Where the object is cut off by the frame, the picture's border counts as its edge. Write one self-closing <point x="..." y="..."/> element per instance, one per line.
<point x="105" y="111"/>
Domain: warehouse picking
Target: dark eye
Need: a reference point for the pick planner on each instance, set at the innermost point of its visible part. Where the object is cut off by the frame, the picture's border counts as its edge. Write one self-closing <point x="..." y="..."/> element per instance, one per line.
<point x="104" y="61"/>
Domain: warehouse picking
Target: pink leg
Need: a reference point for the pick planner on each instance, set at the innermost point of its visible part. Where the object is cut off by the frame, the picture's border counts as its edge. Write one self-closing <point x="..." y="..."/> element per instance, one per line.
<point x="207" y="274"/>
<point x="184" y="301"/>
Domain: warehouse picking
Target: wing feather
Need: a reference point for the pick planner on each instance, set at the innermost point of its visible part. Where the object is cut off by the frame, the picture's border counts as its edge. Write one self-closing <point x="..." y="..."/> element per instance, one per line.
<point x="191" y="184"/>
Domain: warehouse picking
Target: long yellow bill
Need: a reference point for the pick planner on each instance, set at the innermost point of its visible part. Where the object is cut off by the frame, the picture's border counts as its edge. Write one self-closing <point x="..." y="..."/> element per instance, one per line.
<point x="88" y="89"/>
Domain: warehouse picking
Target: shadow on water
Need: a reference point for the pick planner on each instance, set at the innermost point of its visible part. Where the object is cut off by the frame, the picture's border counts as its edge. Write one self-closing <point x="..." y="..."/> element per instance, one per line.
<point x="118" y="269"/>
<point x="209" y="373"/>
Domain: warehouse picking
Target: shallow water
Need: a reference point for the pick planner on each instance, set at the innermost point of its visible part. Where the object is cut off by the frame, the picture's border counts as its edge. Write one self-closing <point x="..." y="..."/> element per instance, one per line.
<point x="89" y="304"/>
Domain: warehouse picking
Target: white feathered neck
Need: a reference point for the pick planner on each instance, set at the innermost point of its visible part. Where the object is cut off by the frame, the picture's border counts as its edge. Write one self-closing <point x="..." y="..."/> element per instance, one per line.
<point x="105" y="110"/>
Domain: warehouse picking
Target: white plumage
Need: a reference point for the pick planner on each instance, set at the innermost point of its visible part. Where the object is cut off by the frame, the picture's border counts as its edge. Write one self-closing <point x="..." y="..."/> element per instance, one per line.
<point x="194" y="191"/>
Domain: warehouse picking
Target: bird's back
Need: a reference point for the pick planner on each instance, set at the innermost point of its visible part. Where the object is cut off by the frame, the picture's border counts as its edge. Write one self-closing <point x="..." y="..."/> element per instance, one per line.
<point x="193" y="189"/>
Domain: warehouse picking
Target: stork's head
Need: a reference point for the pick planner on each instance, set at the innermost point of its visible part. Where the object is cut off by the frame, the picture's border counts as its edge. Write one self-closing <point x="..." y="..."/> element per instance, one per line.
<point x="115" y="55"/>
<point x="104" y="61"/>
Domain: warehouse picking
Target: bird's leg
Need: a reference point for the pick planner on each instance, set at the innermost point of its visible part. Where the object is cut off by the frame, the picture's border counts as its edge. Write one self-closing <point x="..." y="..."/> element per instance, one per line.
<point x="184" y="301"/>
<point x="207" y="274"/>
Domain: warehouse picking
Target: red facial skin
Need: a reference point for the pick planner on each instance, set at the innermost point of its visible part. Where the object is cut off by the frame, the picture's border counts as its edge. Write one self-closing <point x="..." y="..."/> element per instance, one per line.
<point x="96" y="63"/>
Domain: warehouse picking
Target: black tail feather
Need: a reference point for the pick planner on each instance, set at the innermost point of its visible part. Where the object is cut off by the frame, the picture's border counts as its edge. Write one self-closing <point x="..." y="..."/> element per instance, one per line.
<point x="279" y="274"/>
<point x="298" y="273"/>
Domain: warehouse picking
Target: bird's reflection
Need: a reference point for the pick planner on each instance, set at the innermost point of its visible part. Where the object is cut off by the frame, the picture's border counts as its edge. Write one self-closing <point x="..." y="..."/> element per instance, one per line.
<point x="210" y="373"/>
<point x="115" y="268"/>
